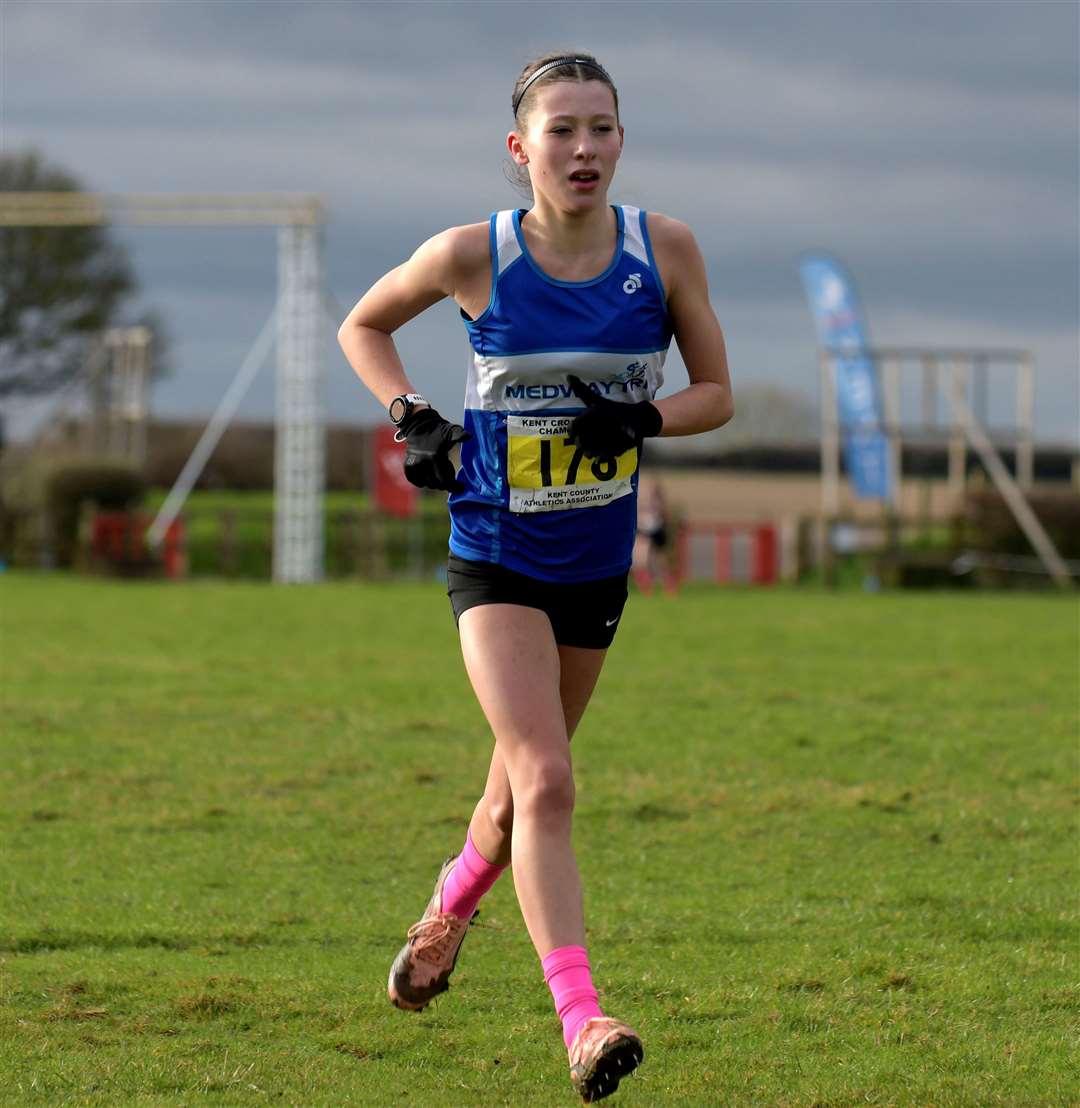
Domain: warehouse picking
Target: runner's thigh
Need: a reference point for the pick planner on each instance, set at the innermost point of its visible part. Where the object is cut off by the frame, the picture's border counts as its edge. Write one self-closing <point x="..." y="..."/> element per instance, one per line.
<point x="513" y="663"/>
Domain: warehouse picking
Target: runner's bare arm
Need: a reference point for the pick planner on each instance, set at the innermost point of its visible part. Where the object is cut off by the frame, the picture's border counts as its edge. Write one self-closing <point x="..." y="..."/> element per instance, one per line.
<point x="707" y="401"/>
<point x="443" y="266"/>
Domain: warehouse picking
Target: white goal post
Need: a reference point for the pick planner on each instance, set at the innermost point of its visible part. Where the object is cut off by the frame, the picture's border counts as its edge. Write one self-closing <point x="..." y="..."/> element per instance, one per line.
<point x="300" y="439"/>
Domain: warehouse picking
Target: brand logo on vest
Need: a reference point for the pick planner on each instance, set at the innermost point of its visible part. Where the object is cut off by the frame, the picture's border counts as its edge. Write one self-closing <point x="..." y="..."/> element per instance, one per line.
<point x="634" y="376"/>
<point x="632" y="283"/>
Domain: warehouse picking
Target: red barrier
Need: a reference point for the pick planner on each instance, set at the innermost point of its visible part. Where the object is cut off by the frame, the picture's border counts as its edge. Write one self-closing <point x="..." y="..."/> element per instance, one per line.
<point x="174" y="550"/>
<point x="765" y="563"/>
<point x="391" y="489"/>
<point x="723" y="555"/>
<point x="728" y="553"/>
<point x="118" y="540"/>
<point x="116" y="537"/>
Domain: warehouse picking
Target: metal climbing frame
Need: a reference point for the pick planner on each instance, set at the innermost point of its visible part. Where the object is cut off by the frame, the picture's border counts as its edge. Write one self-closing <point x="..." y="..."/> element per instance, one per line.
<point x="952" y="373"/>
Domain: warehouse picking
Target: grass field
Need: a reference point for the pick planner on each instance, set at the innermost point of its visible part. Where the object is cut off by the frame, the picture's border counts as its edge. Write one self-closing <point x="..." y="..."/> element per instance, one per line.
<point x="829" y="845"/>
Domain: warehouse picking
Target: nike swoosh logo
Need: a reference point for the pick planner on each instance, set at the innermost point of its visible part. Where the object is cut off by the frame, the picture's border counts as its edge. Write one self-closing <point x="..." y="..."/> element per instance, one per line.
<point x="611" y="622"/>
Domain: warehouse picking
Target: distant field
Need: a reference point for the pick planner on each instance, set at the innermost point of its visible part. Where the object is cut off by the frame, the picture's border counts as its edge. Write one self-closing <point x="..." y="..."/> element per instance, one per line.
<point x="829" y="845"/>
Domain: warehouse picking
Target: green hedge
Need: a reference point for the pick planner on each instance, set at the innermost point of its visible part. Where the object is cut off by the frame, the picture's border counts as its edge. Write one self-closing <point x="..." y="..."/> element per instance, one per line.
<point x="230" y="534"/>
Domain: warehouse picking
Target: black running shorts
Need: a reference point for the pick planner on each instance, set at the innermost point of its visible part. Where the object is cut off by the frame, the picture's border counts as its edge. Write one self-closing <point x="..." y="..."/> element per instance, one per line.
<point x="584" y="613"/>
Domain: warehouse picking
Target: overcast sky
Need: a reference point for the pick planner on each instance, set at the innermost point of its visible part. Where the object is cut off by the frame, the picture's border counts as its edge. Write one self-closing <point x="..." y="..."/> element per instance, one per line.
<point x="932" y="146"/>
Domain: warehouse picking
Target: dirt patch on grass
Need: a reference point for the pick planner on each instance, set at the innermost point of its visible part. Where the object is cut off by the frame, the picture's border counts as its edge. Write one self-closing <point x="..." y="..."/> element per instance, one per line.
<point x="359" y="1052"/>
<point x="802" y="985"/>
<point x="203" y="1004"/>
<point x="897" y="981"/>
<point x="73" y="1005"/>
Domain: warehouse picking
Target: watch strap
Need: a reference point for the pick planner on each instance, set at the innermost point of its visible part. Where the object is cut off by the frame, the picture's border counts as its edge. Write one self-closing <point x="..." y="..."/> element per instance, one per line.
<point x="408" y="401"/>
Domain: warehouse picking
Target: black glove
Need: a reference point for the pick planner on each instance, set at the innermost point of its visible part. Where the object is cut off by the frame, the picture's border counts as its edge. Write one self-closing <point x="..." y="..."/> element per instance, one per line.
<point x="428" y="441"/>
<point x="607" y="428"/>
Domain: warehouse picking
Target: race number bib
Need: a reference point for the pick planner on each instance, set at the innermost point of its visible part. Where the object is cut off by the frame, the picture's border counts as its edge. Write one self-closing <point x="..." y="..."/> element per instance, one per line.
<point x="548" y="473"/>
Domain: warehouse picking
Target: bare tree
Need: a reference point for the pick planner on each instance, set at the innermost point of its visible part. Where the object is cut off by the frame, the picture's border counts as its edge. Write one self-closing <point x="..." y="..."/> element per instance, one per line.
<point x="772" y="414"/>
<point x="59" y="286"/>
<point x="765" y="415"/>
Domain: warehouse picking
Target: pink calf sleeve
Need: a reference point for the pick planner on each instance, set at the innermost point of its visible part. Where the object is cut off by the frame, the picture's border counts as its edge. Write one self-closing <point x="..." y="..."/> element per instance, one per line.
<point x="470" y="878"/>
<point x="566" y="970"/>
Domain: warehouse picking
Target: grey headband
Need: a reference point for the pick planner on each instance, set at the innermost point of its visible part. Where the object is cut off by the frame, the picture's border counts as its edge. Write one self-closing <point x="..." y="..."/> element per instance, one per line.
<point x="555" y="65"/>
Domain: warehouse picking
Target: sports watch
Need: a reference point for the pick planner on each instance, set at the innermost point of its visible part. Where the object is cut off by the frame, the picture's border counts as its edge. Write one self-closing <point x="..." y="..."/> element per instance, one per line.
<point x="402" y="405"/>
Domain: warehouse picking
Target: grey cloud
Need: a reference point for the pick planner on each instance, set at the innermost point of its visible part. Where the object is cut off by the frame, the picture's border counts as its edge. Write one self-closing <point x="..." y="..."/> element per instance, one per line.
<point x="1028" y="44"/>
<point x="931" y="145"/>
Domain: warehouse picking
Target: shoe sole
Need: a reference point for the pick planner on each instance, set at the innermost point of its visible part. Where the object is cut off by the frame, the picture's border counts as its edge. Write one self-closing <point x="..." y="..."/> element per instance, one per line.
<point x="417" y="1002"/>
<point x="404" y="1005"/>
<point x="401" y="993"/>
<point x="619" y="1059"/>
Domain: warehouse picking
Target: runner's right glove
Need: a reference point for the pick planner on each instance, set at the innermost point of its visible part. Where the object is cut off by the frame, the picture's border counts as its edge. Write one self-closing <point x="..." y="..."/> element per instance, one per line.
<point x="607" y="428"/>
<point x="428" y="441"/>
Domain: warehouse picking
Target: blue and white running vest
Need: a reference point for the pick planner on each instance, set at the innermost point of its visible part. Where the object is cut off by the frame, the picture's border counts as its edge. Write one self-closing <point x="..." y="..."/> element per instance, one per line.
<point x="532" y="502"/>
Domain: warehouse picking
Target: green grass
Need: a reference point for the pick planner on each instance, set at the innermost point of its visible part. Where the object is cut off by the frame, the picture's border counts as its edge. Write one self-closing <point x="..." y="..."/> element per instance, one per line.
<point x="829" y="846"/>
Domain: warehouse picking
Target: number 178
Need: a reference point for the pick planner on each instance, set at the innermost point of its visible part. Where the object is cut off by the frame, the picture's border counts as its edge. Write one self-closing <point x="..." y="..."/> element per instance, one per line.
<point x="602" y="469"/>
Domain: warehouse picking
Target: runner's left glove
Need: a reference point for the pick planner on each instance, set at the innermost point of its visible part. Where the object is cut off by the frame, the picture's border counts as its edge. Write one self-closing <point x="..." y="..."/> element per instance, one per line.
<point x="607" y="428"/>
<point x="428" y="441"/>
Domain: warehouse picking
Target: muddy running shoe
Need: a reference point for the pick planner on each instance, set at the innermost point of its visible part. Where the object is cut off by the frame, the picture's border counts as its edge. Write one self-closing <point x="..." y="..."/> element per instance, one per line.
<point x="603" y="1052"/>
<point x="422" y="969"/>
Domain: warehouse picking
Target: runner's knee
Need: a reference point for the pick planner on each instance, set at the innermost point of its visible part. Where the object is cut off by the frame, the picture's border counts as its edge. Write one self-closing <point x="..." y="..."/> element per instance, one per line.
<point x="547" y="792"/>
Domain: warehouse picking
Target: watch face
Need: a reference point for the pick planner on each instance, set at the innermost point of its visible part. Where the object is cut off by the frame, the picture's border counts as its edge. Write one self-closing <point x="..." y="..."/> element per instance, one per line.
<point x="398" y="407"/>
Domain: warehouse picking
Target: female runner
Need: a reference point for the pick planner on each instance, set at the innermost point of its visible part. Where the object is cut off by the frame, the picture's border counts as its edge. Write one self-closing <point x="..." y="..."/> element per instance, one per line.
<point x="570" y="307"/>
